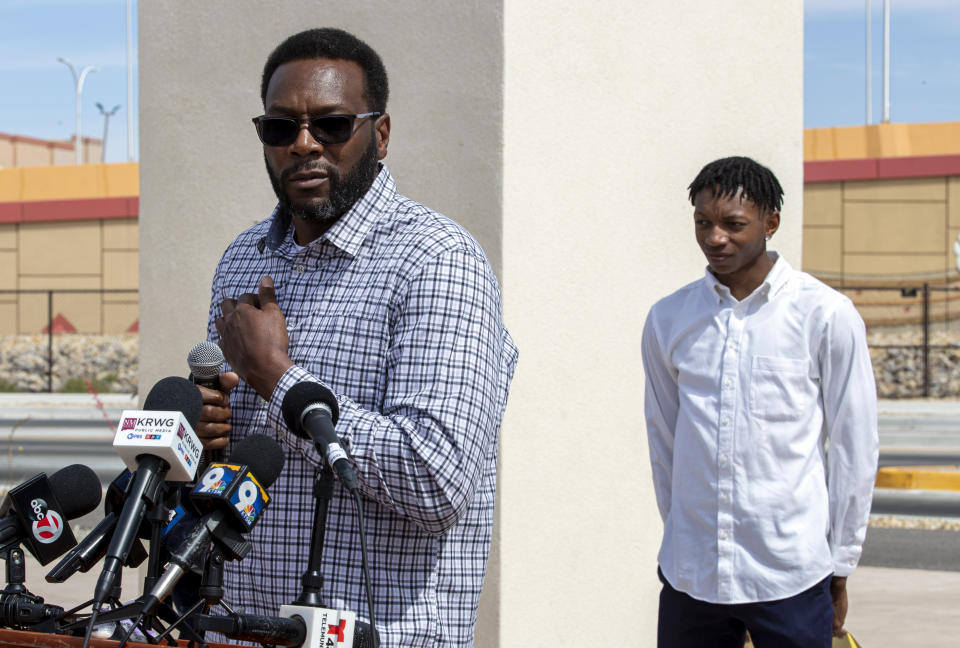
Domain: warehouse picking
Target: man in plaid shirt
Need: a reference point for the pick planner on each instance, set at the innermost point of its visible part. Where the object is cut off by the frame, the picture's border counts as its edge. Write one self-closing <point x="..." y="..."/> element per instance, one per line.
<point x="395" y="308"/>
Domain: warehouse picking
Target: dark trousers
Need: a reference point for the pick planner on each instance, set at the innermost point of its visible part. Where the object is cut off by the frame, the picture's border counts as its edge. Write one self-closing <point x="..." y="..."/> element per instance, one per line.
<point x="801" y="621"/>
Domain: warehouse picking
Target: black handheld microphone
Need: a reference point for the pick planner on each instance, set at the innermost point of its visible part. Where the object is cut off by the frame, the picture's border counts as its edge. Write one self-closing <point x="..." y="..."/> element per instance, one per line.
<point x="233" y="497"/>
<point x="36" y="511"/>
<point x="93" y="547"/>
<point x="206" y="363"/>
<point x="269" y="631"/>
<point x="310" y="411"/>
<point x="160" y="443"/>
<point x="320" y="628"/>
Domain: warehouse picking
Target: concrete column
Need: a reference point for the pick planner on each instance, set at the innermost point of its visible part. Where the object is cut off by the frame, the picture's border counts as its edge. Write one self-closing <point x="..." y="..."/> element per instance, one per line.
<point x="609" y="113"/>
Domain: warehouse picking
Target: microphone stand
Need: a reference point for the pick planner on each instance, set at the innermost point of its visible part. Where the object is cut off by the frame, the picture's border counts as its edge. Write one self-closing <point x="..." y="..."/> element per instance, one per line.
<point x="312" y="580"/>
<point x="157" y="516"/>
<point x="18" y="607"/>
<point x="211" y="594"/>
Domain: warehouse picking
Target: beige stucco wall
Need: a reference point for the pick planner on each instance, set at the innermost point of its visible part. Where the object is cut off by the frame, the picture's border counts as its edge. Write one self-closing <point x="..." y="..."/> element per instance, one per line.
<point x="564" y="137"/>
<point x="608" y="117"/>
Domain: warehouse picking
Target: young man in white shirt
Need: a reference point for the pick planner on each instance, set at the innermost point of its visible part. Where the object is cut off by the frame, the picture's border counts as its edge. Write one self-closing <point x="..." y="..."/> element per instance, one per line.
<point x="752" y="373"/>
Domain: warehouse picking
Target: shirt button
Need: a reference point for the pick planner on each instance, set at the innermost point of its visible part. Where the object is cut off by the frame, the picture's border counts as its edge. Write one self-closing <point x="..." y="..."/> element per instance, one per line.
<point x="727" y="382"/>
<point x="723" y="460"/>
<point x="723" y="535"/>
<point x="300" y="268"/>
<point x="725" y="421"/>
<point x="723" y="497"/>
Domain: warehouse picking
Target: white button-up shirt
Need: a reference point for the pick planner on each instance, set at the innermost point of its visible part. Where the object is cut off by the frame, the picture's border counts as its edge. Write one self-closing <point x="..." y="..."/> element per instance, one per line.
<point x="742" y="400"/>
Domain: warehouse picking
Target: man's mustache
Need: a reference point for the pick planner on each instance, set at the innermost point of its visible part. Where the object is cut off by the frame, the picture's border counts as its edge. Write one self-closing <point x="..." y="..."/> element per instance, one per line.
<point x="331" y="171"/>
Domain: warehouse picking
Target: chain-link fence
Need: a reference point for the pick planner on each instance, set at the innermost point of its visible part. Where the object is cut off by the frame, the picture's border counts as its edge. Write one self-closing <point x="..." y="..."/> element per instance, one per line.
<point x="914" y="336"/>
<point x="69" y="340"/>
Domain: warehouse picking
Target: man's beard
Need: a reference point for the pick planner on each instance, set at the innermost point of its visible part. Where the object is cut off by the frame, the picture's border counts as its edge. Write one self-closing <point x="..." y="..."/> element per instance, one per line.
<point x="344" y="192"/>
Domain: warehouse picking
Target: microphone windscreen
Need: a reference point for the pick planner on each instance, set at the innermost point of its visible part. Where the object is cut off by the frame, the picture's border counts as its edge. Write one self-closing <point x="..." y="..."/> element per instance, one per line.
<point x="175" y="394"/>
<point x="262" y="455"/>
<point x="77" y="488"/>
<point x="205" y="360"/>
<point x="299" y="397"/>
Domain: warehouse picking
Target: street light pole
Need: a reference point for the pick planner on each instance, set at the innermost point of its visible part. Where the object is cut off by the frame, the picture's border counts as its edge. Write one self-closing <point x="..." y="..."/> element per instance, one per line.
<point x="78" y="84"/>
<point x="129" y="81"/>
<point x="869" y="71"/>
<point x="106" y="124"/>
<point x="886" y="61"/>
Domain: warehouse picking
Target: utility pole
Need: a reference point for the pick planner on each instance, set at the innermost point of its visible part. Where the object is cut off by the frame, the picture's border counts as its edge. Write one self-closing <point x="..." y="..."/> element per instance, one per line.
<point x="869" y="71"/>
<point x="129" y="80"/>
<point x="886" y="61"/>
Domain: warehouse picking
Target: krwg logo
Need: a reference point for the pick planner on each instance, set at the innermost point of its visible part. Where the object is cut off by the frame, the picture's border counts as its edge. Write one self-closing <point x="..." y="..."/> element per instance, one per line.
<point x="155" y="422"/>
<point x="128" y="424"/>
<point x="49" y="529"/>
<point x="180" y="431"/>
<point x="191" y="445"/>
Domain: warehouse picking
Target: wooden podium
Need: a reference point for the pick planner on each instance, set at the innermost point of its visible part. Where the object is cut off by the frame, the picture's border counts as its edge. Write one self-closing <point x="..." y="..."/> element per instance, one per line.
<point x="20" y="639"/>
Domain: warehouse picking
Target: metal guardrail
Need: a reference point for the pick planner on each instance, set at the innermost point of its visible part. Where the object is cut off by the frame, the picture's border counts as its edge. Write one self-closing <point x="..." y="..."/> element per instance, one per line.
<point x="37" y="446"/>
<point x="39" y="435"/>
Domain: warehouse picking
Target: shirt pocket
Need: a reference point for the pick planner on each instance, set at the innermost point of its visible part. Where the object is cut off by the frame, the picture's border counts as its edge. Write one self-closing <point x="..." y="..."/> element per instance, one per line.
<point x="779" y="388"/>
<point x="348" y="352"/>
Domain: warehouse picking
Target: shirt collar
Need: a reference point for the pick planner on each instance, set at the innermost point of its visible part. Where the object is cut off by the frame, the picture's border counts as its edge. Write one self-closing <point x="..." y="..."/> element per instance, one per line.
<point x="350" y="230"/>
<point x="772" y="283"/>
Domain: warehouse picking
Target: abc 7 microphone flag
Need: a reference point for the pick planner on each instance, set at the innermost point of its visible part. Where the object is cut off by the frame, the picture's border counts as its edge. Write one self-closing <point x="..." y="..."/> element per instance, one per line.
<point x="47" y="534"/>
<point x="47" y="526"/>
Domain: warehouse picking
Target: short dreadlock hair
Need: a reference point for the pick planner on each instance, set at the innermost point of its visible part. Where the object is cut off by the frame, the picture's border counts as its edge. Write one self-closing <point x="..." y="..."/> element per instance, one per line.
<point x="728" y="175"/>
<point x="332" y="43"/>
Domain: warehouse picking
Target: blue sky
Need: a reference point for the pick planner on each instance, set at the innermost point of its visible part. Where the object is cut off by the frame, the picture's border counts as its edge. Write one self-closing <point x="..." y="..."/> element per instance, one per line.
<point x="924" y="61"/>
<point x="38" y="92"/>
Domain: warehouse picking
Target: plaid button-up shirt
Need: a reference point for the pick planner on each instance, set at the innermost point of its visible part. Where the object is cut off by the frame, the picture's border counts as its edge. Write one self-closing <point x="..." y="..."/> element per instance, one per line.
<point x="397" y="310"/>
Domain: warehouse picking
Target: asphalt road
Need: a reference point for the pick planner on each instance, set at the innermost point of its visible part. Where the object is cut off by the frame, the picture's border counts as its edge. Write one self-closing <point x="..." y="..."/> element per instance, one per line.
<point x="912" y="549"/>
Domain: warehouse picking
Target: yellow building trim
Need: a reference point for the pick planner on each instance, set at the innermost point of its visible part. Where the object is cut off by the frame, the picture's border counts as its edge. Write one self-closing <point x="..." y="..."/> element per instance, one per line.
<point x="23" y="184"/>
<point x="880" y="141"/>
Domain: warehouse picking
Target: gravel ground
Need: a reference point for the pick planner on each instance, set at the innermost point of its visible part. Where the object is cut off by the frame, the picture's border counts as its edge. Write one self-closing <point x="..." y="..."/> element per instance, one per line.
<point x="906" y="522"/>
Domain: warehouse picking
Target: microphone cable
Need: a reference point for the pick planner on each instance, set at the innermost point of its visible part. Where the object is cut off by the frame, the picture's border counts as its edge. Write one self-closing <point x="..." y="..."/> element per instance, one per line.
<point x="366" y="571"/>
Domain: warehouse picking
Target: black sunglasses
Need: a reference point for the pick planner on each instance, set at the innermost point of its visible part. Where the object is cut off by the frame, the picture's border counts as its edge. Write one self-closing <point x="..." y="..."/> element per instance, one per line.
<point x="326" y="129"/>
